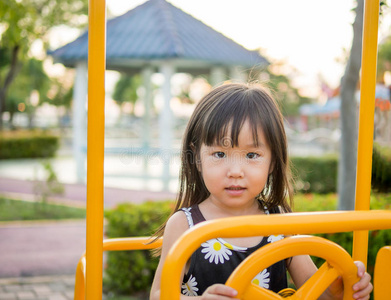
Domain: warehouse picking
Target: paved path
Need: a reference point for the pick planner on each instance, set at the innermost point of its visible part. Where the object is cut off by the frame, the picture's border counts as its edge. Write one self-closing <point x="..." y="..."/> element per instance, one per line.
<point x="30" y="250"/>
<point x="37" y="288"/>
<point x="41" y="248"/>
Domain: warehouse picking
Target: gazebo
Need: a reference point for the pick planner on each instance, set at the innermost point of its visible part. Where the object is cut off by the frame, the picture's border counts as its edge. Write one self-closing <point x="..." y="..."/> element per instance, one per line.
<point x="155" y="37"/>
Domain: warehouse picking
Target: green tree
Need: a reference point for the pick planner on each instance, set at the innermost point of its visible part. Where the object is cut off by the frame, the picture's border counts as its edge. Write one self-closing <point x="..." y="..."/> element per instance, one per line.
<point x="61" y="95"/>
<point x="384" y="58"/>
<point x="287" y="96"/>
<point x="32" y="81"/>
<point x="23" y="22"/>
<point x="125" y="90"/>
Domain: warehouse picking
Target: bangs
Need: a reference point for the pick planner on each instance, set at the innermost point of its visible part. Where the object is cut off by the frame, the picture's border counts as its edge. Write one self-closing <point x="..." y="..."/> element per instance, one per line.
<point x="225" y="120"/>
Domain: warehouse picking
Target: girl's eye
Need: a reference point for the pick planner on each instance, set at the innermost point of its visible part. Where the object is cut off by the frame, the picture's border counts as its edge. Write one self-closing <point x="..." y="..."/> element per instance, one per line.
<point x="252" y="155"/>
<point x="219" y="154"/>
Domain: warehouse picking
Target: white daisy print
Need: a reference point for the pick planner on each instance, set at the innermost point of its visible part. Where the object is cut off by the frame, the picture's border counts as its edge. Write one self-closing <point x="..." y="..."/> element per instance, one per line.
<point x="190" y="287"/>
<point x="215" y="251"/>
<point x="262" y="279"/>
<point x="275" y="238"/>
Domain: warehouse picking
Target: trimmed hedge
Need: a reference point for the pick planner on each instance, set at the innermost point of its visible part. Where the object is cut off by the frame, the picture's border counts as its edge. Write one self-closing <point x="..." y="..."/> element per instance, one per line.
<point x="315" y="174"/>
<point x="381" y="168"/>
<point x="131" y="272"/>
<point x="319" y="174"/>
<point x="27" y="144"/>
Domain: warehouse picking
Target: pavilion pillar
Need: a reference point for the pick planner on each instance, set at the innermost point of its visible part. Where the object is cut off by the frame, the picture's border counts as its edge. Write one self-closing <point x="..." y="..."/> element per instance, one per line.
<point x="147" y="74"/>
<point x="80" y="120"/>
<point x="165" y="122"/>
<point x="217" y="76"/>
<point x="237" y="74"/>
<point x="146" y="143"/>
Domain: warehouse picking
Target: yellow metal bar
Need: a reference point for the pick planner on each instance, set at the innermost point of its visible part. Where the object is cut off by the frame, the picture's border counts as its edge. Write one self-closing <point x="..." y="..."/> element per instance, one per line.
<point x="288" y="224"/>
<point x="80" y="279"/>
<point x="366" y="124"/>
<point x="136" y="243"/>
<point x="381" y="286"/>
<point x="320" y="281"/>
<point x="139" y="243"/>
<point x="339" y="263"/>
<point x="95" y="147"/>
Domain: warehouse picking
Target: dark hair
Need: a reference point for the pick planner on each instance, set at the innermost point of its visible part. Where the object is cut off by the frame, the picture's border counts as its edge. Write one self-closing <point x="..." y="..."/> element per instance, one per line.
<point x="228" y="107"/>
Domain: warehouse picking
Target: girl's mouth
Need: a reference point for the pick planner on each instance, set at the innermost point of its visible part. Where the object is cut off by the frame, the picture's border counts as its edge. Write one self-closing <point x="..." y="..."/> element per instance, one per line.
<point x="235" y="190"/>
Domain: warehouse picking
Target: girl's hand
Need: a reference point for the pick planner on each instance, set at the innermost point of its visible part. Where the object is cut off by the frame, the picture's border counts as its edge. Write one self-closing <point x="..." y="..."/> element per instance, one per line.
<point x="364" y="287"/>
<point x="219" y="292"/>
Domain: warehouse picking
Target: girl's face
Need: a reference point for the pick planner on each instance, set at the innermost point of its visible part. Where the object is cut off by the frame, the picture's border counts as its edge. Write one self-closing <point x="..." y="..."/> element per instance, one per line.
<point x="234" y="176"/>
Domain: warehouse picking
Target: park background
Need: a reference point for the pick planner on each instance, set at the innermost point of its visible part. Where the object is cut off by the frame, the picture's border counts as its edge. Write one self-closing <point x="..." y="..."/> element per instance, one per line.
<point x="308" y="47"/>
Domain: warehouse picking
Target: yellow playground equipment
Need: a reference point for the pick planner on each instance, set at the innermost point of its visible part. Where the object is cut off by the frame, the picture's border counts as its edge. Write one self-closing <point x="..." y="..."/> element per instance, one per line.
<point x="338" y="261"/>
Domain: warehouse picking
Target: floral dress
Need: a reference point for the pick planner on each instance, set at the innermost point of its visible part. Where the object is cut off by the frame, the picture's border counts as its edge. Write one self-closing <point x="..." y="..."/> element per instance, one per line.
<point x="216" y="259"/>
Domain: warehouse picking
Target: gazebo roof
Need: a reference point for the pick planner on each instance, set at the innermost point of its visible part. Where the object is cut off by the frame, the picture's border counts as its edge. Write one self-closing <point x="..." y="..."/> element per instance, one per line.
<point x="156" y="31"/>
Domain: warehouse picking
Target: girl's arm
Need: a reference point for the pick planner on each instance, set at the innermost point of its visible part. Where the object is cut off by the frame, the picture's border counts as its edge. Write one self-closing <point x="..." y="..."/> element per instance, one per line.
<point x="301" y="268"/>
<point x="175" y="227"/>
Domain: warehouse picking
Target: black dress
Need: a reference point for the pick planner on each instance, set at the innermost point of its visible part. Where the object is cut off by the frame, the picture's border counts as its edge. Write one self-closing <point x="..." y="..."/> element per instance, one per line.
<point x="216" y="259"/>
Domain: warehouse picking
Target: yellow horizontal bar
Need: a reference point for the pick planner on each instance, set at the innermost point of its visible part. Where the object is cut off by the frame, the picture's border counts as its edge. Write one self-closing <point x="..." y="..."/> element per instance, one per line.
<point x="137" y="243"/>
<point x="288" y="224"/>
<point x="118" y="244"/>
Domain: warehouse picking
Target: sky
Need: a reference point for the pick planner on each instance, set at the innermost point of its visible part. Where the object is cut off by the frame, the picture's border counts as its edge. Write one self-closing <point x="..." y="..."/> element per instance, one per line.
<point x="309" y="36"/>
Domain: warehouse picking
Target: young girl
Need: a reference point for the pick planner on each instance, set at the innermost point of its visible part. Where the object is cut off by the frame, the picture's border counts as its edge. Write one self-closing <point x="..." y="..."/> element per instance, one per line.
<point x="235" y="163"/>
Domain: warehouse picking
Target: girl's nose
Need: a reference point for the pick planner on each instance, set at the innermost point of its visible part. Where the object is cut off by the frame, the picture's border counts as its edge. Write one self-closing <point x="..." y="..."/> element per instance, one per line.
<point x="235" y="170"/>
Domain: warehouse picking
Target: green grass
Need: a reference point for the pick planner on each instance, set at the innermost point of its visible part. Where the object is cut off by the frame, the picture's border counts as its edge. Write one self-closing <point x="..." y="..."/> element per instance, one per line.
<point x="15" y="210"/>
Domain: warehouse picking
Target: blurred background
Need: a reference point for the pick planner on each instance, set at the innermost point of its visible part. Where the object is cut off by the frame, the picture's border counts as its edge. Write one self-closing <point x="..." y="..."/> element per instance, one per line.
<point x="162" y="57"/>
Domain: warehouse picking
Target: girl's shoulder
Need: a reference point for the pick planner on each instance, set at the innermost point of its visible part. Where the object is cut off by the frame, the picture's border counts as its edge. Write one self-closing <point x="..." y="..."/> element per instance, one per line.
<point x="177" y="223"/>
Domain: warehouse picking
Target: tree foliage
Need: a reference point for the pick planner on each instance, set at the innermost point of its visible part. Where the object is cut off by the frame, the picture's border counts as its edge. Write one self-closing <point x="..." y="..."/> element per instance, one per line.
<point x="384" y="58"/>
<point x="125" y="90"/>
<point x="287" y="96"/>
<point x="23" y="22"/>
<point x="62" y="95"/>
<point x="31" y="77"/>
<point x="27" y="20"/>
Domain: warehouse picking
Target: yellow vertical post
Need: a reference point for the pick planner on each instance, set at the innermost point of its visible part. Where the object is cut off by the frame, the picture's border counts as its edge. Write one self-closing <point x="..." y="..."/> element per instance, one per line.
<point x="366" y="124"/>
<point x="95" y="146"/>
